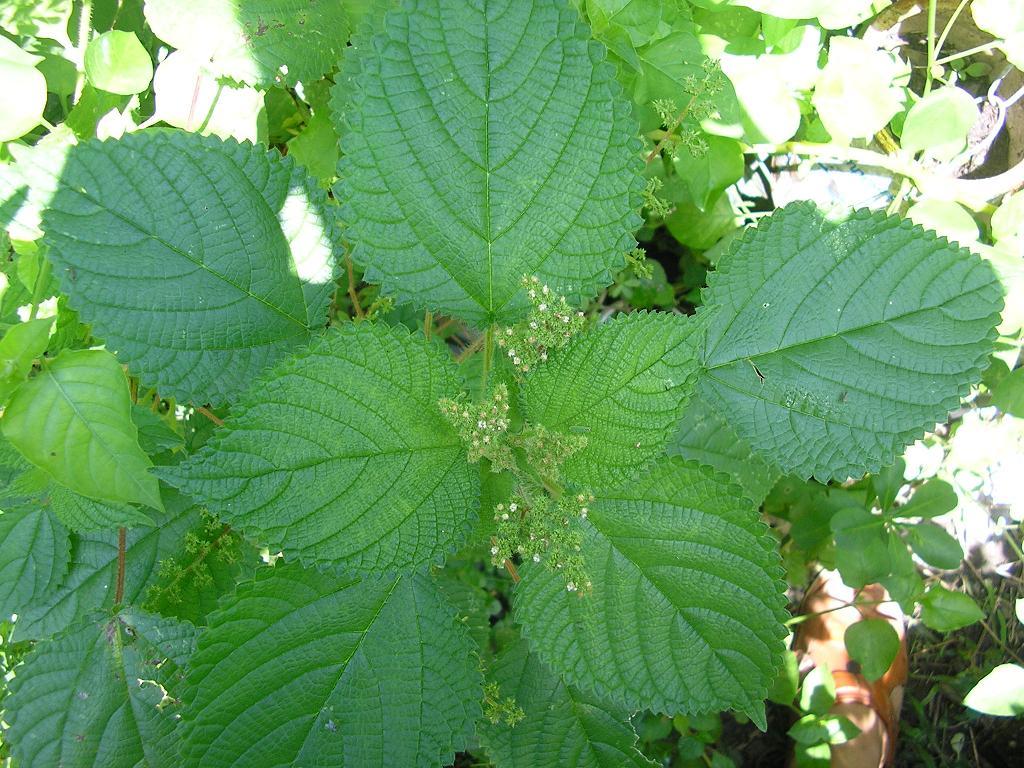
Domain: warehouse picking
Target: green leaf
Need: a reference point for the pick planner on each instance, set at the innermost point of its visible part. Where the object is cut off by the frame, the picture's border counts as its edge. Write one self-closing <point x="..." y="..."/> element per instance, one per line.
<point x="686" y="607"/>
<point x="944" y="611"/>
<point x="23" y="96"/>
<point x="837" y="343"/>
<point x="73" y="420"/>
<point x="95" y="695"/>
<point x="939" y="123"/>
<point x="862" y="546"/>
<point x="708" y="174"/>
<point x="258" y="42"/>
<point x="823" y="729"/>
<point x="831" y="14"/>
<point x="80" y="513"/>
<point x="860" y="88"/>
<point x="623" y="386"/>
<point x="341" y="455"/>
<point x="562" y="726"/>
<point x="155" y="432"/>
<point x="218" y="262"/>
<point x="316" y="148"/>
<point x="705" y="436"/>
<point x="189" y="96"/>
<point x="361" y="673"/>
<point x="818" y="692"/>
<point x="19" y="347"/>
<point x="934" y="545"/>
<point x="504" y="150"/>
<point x="872" y="643"/>
<point x="118" y="63"/>
<point x="91" y="577"/>
<point x="1003" y="19"/>
<point x="947" y="218"/>
<point x="1000" y="692"/>
<point x="1008" y="394"/>
<point x="34" y="554"/>
<point x="933" y="498"/>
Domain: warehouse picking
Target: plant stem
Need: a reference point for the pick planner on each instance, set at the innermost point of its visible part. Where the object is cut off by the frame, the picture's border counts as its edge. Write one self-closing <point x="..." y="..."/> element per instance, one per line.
<point x="42" y="278"/>
<point x="488" y="354"/>
<point x="970" y="51"/>
<point x="668" y="133"/>
<point x="210" y="415"/>
<point x="122" y="536"/>
<point x="949" y="26"/>
<point x="428" y="324"/>
<point x="81" y="41"/>
<point x="933" y="7"/>
<point x="353" y="296"/>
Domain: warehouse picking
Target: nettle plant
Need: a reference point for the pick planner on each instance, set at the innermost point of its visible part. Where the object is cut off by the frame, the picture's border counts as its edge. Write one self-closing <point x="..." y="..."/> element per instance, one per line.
<point x="491" y="172"/>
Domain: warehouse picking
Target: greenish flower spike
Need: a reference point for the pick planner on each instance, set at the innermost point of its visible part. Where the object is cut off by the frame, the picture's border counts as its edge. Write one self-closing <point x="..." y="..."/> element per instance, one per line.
<point x="536" y="527"/>
<point x="550" y="324"/>
<point x="501" y="710"/>
<point x="482" y="427"/>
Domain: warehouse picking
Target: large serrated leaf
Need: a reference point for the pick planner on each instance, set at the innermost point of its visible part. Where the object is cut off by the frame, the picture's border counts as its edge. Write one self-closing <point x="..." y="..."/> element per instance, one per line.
<point x="483" y="142"/>
<point x="200" y="262"/>
<point x="834" y="344"/>
<point x="80" y="513"/>
<point x="34" y="553"/>
<point x="92" y="574"/>
<point x="94" y="697"/>
<point x="705" y="436"/>
<point x="341" y="455"/>
<point x="73" y="420"/>
<point x="562" y="726"/>
<point x="623" y="386"/>
<point x="686" y="608"/>
<point x="305" y="668"/>
<point x="258" y="42"/>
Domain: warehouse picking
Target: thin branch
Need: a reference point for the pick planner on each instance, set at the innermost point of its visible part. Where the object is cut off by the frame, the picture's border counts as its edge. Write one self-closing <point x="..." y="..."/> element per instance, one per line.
<point x="122" y="536"/>
<point x="210" y="415"/>
<point x="352" y="287"/>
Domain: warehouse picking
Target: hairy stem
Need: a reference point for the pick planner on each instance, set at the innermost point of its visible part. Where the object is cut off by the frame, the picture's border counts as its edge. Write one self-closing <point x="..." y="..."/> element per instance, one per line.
<point x="210" y="415"/>
<point x="668" y="133"/>
<point x="122" y="536"/>
<point x="488" y="355"/>
<point x="352" y="295"/>
<point x="933" y="7"/>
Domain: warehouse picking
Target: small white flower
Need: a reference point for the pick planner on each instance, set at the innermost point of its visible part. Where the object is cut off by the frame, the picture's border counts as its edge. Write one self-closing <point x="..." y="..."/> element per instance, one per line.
<point x="494" y="550"/>
<point x="513" y="507"/>
<point x="571" y="587"/>
<point x="536" y="557"/>
<point x="543" y="308"/>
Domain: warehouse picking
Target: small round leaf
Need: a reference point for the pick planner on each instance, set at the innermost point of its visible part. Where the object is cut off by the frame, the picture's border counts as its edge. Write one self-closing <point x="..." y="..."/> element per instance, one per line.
<point x="116" y="62"/>
<point x="873" y="643"/>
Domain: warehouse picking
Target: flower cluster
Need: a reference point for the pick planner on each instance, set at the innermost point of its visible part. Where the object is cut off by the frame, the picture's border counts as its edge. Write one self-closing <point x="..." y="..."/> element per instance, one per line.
<point x="543" y="529"/>
<point x="546" y="451"/>
<point x="551" y="323"/>
<point x="498" y="709"/>
<point x="483" y="426"/>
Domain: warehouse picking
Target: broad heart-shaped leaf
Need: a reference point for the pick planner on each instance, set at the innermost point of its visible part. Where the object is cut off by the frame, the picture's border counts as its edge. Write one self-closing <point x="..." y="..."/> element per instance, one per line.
<point x="623" y="386"/>
<point x="34" y="553"/>
<point x="93" y="697"/>
<point x="706" y="437"/>
<point x="562" y="727"/>
<point x="304" y="668"/>
<point x="73" y="420"/>
<point x="483" y="142"/>
<point x="92" y="575"/>
<point x="834" y="344"/>
<point x="200" y="262"/>
<point x="686" y="608"/>
<point x="340" y="455"/>
<point x="258" y="42"/>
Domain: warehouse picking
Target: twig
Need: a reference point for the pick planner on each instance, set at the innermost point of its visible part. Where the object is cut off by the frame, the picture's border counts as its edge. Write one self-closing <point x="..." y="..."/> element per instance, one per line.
<point x="121" y="547"/>
<point x="352" y="287"/>
<point x="210" y="415"/>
